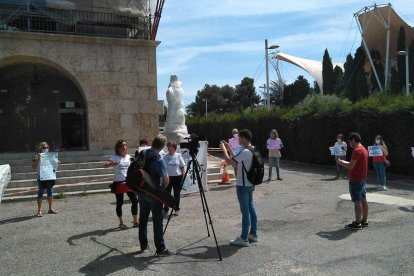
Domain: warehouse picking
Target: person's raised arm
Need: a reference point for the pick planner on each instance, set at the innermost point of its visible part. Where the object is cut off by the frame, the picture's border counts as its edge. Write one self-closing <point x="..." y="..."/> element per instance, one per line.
<point x="36" y="162"/>
<point x="225" y="147"/>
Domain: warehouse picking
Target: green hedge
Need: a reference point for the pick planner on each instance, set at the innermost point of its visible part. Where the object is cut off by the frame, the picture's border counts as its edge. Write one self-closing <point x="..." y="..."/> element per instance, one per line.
<point x="309" y="128"/>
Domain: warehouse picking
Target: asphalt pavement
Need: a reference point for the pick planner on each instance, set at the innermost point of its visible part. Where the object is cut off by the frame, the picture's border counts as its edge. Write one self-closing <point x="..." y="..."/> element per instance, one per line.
<point x="301" y="232"/>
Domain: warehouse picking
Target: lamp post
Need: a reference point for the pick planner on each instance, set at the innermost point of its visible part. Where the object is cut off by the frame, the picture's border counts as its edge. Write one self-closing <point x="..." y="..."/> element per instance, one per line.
<point x="267" y="48"/>
<point x="407" y="81"/>
<point x="206" y="100"/>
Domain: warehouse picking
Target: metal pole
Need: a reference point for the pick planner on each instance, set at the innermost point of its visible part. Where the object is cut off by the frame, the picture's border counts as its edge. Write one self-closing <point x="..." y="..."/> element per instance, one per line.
<point x="407" y="81"/>
<point x="206" y="107"/>
<point x="267" y="73"/>
<point x="387" y="54"/>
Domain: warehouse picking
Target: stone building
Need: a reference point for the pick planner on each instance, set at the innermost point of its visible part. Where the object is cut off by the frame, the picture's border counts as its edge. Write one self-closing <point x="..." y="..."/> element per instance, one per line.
<point x="78" y="74"/>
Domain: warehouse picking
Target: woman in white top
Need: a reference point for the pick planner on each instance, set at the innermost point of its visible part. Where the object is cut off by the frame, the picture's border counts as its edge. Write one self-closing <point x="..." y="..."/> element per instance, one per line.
<point x="341" y="155"/>
<point x="175" y="164"/>
<point x="120" y="162"/>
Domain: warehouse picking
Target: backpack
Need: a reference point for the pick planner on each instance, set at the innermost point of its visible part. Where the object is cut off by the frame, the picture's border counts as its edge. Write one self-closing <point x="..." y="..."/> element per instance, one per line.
<point x="256" y="173"/>
<point x="139" y="180"/>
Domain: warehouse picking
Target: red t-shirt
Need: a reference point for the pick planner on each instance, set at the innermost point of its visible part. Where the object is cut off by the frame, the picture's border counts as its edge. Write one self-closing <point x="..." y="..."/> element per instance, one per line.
<point x="360" y="170"/>
<point x="379" y="159"/>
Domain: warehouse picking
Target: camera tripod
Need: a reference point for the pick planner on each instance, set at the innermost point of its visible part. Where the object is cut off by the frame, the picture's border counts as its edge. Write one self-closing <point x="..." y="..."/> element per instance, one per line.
<point x="207" y="217"/>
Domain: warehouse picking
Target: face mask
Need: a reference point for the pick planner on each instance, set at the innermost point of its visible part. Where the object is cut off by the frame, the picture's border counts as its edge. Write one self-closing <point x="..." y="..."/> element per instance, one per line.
<point x="45" y="150"/>
<point x="377" y="141"/>
<point x="339" y="140"/>
<point x="235" y="135"/>
<point x="272" y="135"/>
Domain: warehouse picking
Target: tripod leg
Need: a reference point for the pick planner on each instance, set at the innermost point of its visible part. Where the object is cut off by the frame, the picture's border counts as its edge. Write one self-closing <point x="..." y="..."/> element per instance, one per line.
<point x="201" y="191"/>
<point x="205" y="206"/>
<point x="182" y="183"/>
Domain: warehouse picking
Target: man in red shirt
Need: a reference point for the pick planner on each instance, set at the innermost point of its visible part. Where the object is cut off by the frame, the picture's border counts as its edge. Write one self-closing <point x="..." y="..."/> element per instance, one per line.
<point x="358" y="171"/>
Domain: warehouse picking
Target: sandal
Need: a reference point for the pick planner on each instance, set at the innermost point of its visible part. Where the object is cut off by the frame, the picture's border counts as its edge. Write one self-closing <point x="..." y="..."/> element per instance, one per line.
<point x="39" y="215"/>
<point x="123" y="227"/>
<point x="52" y="211"/>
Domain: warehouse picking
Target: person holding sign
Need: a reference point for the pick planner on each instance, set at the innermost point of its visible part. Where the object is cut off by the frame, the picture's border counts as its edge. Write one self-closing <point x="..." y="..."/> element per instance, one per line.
<point x="120" y="162"/>
<point x="379" y="162"/>
<point x="44" y="183"/>
<point x="358" y="172"/>
<point x="235" y="146"/>
<point x="341" y="145"/>
<point x="274" y="145"/>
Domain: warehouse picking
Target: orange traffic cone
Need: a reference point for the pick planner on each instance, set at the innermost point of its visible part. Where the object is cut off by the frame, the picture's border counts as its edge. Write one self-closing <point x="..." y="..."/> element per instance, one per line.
<point x="225" y="178"/>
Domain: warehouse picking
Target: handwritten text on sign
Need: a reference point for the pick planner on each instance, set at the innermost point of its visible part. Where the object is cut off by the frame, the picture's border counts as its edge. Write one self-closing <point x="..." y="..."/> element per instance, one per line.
<point x="273" y="144"/>
<point x="235" y="145"/>
<point x="375" y="151"/>
<point x="336" y="151"/>
<point x="48" y="165"/>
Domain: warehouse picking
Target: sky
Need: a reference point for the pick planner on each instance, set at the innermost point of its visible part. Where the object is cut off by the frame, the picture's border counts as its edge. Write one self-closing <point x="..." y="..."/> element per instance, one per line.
<point x="222" y="41"/>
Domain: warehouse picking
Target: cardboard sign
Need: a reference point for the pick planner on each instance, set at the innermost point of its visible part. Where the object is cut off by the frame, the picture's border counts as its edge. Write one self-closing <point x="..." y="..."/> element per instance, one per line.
<point x="273" y="144"/>
<point x="336" y="151"/>
<point x="375" y="151"/>
<point x="48" y="165"/>
<point x="235" y="145"/>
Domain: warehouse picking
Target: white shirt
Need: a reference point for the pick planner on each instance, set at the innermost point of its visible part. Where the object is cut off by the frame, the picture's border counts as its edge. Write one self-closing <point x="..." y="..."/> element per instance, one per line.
<point x="344" y="146"/>
<point x="244" y="157"/>
<point x="120" y="170"/>
<point x="174" y="163"/>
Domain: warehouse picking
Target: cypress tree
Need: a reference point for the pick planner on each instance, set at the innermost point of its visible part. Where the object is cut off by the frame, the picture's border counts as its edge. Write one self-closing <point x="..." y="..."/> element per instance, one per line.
<point x="411" y="64"/>
<point x="327" y="74"/>
<point x="401" y="59"/>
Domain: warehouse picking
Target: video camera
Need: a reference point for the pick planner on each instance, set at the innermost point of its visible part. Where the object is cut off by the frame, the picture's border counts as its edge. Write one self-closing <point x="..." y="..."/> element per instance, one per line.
<point x="192" y="144"/>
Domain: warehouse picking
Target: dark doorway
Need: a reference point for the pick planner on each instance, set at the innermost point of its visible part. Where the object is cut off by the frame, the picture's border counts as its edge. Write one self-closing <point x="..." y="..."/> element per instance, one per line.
<point x="39" y="103"/>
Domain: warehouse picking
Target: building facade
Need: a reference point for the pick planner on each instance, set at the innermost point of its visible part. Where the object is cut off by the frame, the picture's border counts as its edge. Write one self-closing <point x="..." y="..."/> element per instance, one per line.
<point x="78" y="79"/>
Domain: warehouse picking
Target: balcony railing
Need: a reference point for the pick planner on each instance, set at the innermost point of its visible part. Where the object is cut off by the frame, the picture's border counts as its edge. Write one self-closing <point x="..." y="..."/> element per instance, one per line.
<point x="46" y="20"/>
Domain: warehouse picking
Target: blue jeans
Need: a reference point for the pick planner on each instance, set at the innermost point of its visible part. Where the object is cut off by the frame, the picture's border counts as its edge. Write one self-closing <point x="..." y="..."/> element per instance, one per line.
<point x="45" y="185"/>
<point x="357" y="191"/>
<point x="147" y="205"/>
<point x="380" y="169"/>
<point x="274" y="162"/>
<point x="249" y="216"/>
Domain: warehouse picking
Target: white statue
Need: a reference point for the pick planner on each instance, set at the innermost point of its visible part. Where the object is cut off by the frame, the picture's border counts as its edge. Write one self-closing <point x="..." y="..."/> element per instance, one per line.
<point x="175" y="127"/>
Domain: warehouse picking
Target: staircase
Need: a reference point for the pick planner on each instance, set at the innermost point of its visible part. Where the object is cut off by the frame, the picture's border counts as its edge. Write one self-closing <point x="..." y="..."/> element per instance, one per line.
<point x="79" y="173"/>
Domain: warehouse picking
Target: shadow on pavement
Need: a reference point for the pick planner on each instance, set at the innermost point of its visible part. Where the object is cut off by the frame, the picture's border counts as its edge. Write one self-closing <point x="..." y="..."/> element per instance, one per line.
<point x="16" y="220"/>
<point x="208" y="252"/>
<point x="330" y="179"/>
<point x="105" y="264"/>
<point x="221" y="187"/>
<point x="336" y="235"/>
<point x="71" y="240"/>
<point x="408" y="210"/>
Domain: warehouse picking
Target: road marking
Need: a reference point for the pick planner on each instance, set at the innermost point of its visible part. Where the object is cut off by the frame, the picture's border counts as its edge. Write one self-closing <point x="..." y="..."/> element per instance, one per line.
<point x="384" y="199"/>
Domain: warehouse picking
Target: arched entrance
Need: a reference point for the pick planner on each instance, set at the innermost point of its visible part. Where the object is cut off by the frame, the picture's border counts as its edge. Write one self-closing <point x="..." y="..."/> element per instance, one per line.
<point x="39" y="103"/>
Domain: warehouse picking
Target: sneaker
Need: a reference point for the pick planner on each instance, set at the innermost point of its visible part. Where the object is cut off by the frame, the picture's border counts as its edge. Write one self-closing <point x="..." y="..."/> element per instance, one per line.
<point x="279" y="178"/>
<point x="364" y="223"/>
<point x="165" y="214"/>
<point x="239" y="242"/>
<point x="354" y="226"/>
<point x="384" y="188"/>
<point x="146" y="249"/>
<point x="176" y="212"/>
<point x="379" y="187"/>
<point x="252" y="238"/>
<point x="269" y="179"/>
<point x="164" y="252"/>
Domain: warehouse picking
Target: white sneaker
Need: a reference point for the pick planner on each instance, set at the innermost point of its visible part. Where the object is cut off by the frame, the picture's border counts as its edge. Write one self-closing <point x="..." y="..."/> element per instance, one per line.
<point x="384" y="188"/>
<point x="239" y="242"/>
<point x="252" y="238"/>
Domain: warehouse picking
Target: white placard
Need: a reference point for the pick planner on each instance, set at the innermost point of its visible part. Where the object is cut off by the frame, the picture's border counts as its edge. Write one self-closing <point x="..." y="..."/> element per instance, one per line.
<point x="274" y="144"/>
<point x="48" y="166"/>
<point x="235" y="145"/>
<point x="412" y="151"/>
<point x="375" y="151"/>
<point x="336" y="151"/>
<point x="5" y="175"/>
<point x="190" y="185"/>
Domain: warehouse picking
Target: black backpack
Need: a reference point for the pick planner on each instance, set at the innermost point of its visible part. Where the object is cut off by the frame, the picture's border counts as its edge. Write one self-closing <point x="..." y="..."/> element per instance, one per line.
<point x="139" y="180"/>
<point x="256" y="173"/>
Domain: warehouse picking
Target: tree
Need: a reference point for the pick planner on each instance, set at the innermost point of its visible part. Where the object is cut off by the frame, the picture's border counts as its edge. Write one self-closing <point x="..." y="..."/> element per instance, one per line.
<point x="378" y="63"/>
<point x="245" y="94"/>
<point x="294" y="93"/>
<point x="276" y="94"/>
<point x="401" y="58"/>
<point x="337" y="74"/>
<point x="327" y="74"/>
<point x="395" y="83"/>
<point x="356" y="86"/>
<point x="346" y="79"/>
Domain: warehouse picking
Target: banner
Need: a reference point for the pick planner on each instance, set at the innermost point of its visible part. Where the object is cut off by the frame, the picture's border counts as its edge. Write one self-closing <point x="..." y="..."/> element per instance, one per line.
<point x="190" y="184"/>
<point x="375" y="151"/>
<point x="5" y="175"/>
<point x="48" y="166"/>
<point x="273" y="144"/>
<point x="336" y="151"/>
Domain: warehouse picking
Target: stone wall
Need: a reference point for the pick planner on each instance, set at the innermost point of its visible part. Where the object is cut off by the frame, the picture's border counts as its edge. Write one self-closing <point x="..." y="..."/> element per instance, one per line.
<point x="116" y="76"/>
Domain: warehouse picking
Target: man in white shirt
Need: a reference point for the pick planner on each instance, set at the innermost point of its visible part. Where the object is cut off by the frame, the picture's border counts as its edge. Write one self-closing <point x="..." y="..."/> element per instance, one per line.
<point x="245" y="189"/>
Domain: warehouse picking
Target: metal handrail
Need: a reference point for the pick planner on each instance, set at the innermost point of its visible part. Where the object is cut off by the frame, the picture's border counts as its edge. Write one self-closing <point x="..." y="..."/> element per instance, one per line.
<point x="20" y="18"/>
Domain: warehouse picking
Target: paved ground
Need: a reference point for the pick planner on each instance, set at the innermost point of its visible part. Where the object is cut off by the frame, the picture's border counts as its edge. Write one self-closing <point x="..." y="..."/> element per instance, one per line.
<point x="301" y="223"/>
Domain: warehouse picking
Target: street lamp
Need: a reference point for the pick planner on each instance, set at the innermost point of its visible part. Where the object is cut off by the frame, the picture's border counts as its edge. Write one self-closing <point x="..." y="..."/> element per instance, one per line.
<point x="267" y="48"/>
<point x="206" y="100"/>
<point x="407" y="84"/>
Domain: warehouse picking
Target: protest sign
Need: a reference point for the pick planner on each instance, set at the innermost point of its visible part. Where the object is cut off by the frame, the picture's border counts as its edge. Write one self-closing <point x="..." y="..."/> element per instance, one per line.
<point x="336" y="151"/>
<point x="235" y="145"/>
<point x="273" y="144"/>
<point x="412" y="151"/>
<point x="375" y="151"/>
<point x="48" y="166"/>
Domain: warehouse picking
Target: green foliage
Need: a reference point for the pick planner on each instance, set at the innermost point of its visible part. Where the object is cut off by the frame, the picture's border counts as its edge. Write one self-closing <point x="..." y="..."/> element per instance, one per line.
<point x="294" y="93"/>
<point x="411" y="63"/>
<point x="245" y="94"/>
<point x="61" y="195"/>
<point x="400" y="58"/>
<point x="327" y="74"/>
<point x="356" y="85"/>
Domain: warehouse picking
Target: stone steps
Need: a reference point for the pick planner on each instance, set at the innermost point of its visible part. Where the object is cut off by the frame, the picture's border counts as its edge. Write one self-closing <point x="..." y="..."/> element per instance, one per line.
<point x="63" y="173"/>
